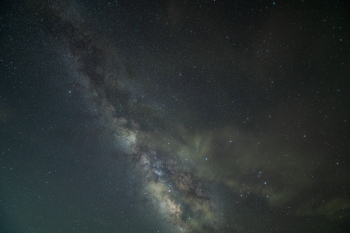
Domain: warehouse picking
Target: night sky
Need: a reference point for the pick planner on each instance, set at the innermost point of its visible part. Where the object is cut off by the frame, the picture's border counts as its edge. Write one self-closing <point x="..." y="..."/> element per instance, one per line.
<point x="174" y="116"/>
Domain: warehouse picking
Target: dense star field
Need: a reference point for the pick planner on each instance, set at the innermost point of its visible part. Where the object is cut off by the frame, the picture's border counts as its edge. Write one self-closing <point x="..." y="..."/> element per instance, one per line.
<point x="174" y="116"/>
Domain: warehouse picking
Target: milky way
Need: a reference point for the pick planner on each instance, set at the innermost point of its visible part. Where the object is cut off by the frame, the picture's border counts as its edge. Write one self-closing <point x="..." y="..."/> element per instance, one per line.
<point x="215" y="114"/>
<point x="170" y="182"/>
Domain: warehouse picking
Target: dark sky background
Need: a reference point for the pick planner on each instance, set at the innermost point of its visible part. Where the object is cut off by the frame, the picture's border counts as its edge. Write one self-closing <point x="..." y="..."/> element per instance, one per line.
<point x="174" y="116"/>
